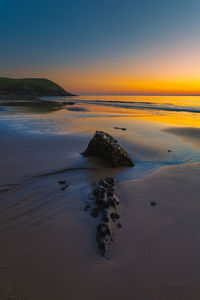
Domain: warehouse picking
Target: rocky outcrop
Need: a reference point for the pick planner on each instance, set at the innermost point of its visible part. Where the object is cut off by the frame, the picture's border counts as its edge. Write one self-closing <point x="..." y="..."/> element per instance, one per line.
<point x="102" y="204"/>
<point x="105" y="146"/>
<point x="30" y="87"/>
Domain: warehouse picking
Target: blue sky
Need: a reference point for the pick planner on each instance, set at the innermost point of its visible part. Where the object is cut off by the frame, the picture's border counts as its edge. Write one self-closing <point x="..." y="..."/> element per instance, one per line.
<point x="43" y="36"/>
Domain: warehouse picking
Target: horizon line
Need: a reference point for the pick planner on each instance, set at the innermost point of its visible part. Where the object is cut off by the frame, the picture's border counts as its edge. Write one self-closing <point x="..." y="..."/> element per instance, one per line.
<point x="137" y="94"/>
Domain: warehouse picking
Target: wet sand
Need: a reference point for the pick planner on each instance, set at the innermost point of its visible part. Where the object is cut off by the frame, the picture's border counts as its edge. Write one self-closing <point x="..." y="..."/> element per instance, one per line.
<point x="47" y="240"/>
<point x="188" y="134"/>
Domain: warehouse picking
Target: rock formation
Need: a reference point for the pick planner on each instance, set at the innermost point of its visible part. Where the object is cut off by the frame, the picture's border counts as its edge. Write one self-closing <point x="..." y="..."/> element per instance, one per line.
<point x="30" y="87"/>
<point x="102" y="205"/>
<point x="105" y="146"/>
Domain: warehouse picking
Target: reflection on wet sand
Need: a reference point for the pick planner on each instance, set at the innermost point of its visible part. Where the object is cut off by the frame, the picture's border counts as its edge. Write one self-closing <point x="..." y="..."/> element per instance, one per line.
<point x="47" y="239"/>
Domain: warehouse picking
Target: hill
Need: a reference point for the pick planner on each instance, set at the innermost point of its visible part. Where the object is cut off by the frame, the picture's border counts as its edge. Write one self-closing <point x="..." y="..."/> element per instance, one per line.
<point x="31" y="87"/>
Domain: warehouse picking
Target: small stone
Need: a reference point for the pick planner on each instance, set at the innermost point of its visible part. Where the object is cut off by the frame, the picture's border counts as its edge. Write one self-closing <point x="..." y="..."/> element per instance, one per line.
<point x="64" y="188"/>
<point x="110" y="180"/>
<point x="61" y="182"/>
<point x="104" y="183"/>
<point x="103" y="246"/>
<point x="87" y="207"/>
<point x="105" y="219"/>
<point x="103" y="230"/>
<point x="121" y="128"/>
<point x="169" y="150"/>
<point x="114" y="216"/>
<point x="153" y="203"/>
<point x="118" y="225"/>
<point x="68" y="103"/>
<point x="95" y="212"/>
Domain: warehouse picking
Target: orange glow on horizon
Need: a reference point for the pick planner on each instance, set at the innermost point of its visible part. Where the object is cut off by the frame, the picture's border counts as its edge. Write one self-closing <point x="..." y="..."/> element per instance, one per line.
<point x="160" y="71"/>
<point x="102" y="84"/>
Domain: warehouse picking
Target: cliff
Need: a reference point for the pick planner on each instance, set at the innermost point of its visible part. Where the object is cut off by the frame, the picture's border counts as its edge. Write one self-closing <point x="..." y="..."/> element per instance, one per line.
<point x="31" y="87"/>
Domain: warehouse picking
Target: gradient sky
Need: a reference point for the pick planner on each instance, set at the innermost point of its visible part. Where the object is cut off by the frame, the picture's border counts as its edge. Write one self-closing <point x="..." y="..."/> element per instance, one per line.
<point x="107" y="46"/>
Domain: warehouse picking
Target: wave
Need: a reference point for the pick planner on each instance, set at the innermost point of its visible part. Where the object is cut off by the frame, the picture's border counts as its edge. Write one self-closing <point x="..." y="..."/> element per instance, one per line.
<point x="150" y="105"/>
<point x="144" y="105"/>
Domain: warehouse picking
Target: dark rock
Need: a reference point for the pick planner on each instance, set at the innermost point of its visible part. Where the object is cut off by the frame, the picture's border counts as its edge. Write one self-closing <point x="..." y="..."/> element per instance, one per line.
<point x="153" y="203"/>
<point x="105" y="146"/>
<point x="99" y="192"/>
<point x="110" y="180"/>
<point x="102" y="247"/>
<point x="169" y="150"/>
<point x="95" y="212"/>
<point x="114" y="216"/>
<point x="68" y="103"/>
<point x="105" y="219"/>
<point x="104" y="237"/>
<point x="118" y="225"/>
<point x="121" y="128"/>
<point x="87" y="207"/>
<point x="64" y="187"/>
<point x="103" y="203"/>
<point x="103" y="230"/>
<point x="61" y="182"/>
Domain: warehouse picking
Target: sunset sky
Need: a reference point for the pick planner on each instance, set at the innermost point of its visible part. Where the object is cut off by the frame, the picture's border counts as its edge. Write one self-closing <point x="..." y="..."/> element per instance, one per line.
<point x="107" y="46"/>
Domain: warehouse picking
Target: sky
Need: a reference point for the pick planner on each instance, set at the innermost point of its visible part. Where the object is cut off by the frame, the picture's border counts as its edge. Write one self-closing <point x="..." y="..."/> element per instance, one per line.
<point x="104" y="47"/>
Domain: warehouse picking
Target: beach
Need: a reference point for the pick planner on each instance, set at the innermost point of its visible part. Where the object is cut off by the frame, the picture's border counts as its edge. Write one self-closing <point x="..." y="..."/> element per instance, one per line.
<point x="48" y="244"/>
